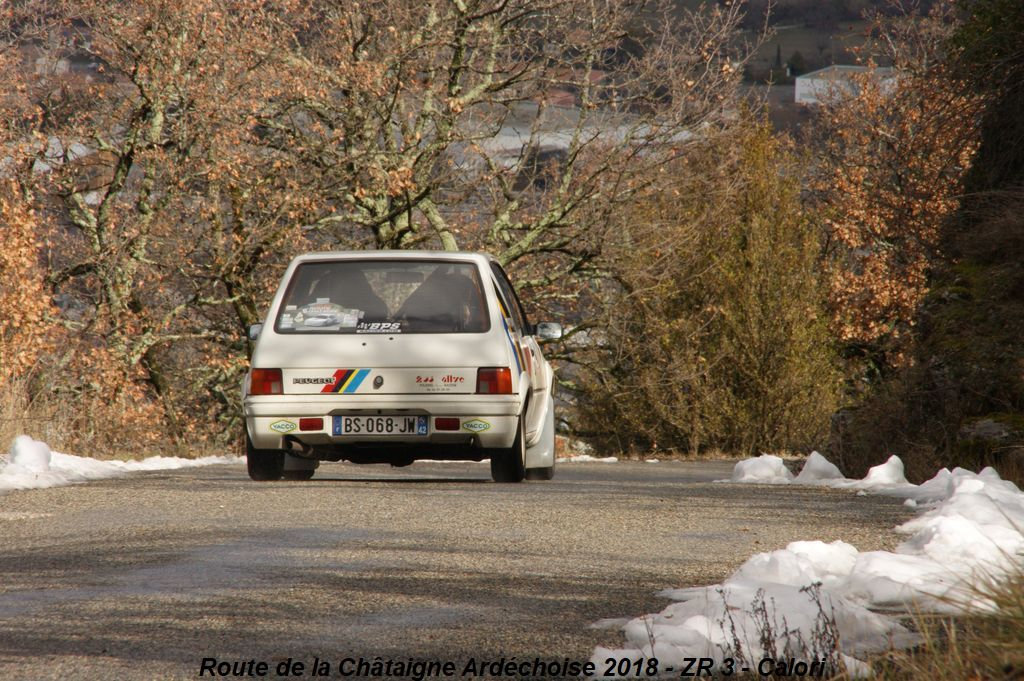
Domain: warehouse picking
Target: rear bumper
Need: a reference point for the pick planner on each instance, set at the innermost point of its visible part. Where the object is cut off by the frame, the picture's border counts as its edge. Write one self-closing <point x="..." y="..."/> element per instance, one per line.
<point x="485" y="421"/>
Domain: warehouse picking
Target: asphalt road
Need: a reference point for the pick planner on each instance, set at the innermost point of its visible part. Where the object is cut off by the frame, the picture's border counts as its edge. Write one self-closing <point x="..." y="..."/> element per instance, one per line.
<point x="144" y="577"/>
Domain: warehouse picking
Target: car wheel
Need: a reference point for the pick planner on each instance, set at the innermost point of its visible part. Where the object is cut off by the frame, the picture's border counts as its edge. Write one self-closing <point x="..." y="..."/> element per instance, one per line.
<point x="509" y="465"/>
<point x="298" y="475"/>
<point x="263" y="464"/>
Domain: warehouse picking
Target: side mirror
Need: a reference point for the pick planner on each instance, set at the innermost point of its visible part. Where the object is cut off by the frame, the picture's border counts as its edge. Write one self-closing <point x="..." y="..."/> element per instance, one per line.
<point x="549" y="331"/>
<point x="254" y="331"/>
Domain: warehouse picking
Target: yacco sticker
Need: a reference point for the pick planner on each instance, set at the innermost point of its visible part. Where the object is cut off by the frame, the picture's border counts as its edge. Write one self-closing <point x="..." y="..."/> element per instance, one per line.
<point x="346" y="381"/>
<point x="283" y="426"/>
<point x="476" y="425"/>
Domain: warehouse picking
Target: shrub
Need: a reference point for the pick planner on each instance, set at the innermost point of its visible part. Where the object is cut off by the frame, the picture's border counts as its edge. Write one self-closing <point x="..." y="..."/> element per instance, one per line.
<point x="716" y="336"/>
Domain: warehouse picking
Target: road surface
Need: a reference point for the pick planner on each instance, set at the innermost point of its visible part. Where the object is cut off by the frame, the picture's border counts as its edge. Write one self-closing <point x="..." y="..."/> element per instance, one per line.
<point x="144" y="577"/>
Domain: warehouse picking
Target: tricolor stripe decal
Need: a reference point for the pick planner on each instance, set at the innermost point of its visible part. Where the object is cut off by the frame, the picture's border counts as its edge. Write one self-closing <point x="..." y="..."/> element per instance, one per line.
<point x="515" y="350"/>
<point x="346" y="381"/>
<point x="353" y="383"/>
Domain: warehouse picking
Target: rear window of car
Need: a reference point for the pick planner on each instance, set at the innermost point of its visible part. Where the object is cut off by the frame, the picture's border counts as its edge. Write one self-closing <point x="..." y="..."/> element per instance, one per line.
<point x="384" y="296"/>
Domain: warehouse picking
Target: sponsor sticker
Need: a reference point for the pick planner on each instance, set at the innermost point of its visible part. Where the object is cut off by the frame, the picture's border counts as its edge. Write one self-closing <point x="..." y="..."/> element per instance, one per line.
<point x="345" y="381"/>
<point x="440" y="384"/>
<point x="379" y="327"/>
<point x="324" y="313"/>
<point x="283" y="426"/>
<point x="321" y="307"/>
<point x="476" y="425"/>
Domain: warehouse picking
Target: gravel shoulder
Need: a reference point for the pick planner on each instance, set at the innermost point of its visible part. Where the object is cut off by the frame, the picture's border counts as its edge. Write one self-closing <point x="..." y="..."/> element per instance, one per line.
<point x="142" y="577"/>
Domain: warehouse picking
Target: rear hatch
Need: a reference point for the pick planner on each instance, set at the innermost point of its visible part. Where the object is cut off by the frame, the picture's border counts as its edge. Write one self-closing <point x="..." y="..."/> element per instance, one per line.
<point x="412" y="364"/>
<point x="382" y="325"/>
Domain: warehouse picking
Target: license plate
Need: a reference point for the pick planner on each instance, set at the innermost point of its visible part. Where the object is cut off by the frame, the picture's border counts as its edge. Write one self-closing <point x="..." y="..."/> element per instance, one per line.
<point x="380" y="425"/>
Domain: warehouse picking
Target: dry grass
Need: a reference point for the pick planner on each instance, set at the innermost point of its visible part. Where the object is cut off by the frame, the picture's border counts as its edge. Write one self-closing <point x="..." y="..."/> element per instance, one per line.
<point x="963" y="648"/>
<point x="101" y="427"/>
<point x="21" y="415"/>
<point x="975" y="647"/>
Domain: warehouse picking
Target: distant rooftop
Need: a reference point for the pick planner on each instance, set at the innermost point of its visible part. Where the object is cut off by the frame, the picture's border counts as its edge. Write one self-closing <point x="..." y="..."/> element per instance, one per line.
<point x="838" y="80"/>
<point x="844" y="71"/>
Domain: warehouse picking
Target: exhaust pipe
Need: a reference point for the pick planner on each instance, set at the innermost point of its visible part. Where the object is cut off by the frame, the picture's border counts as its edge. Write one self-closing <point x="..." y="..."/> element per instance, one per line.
<point x="296" y="447"/>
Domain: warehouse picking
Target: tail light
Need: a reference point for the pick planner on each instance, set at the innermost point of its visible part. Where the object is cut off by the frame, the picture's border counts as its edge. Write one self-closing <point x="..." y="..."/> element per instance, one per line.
<point x="311" y="423"/>
<point x="494" y="381"/>
<point x="266" y="382"/>
<point x="446" y="423"/>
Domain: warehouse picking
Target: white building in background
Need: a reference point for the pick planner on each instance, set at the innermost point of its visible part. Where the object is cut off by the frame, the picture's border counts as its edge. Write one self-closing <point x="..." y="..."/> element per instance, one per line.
<point x="839" y="80"/>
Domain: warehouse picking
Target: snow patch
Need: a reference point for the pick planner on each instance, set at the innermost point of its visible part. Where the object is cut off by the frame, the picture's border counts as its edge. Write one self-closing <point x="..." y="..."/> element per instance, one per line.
<point x="766" y="468"/>
<point x="888" y="473"/>
<point x="31" y="455"/>
<point x="30" y="464"/>
<point x="969" y="531"/>
<point x="587" y="458"/>
<point x="816" y="468"/>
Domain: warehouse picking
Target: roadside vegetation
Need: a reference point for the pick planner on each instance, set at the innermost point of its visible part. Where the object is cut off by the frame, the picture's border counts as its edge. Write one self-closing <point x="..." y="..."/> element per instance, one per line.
<point x="967" y="647"/>
<point x="951" y="648"/>
<point x="716" y="334"/>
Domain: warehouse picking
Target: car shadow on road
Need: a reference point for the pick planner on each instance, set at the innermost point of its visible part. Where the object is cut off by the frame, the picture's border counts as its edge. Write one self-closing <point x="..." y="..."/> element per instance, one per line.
<point x="160" y="621"/>
<point x="396" y="480"/>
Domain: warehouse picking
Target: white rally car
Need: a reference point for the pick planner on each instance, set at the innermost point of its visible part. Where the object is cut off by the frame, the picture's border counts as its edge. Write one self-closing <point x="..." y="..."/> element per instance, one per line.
<point x="394" y="356"/>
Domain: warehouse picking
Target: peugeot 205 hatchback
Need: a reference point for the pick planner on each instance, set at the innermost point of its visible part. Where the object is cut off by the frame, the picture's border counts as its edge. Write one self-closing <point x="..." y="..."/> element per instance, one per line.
<point x="394" y="356"/>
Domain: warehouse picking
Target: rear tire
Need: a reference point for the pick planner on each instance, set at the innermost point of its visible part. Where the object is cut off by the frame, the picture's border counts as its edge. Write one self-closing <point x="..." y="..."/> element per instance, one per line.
<point x="509" y="465"/>
<point x="263" y="464"/>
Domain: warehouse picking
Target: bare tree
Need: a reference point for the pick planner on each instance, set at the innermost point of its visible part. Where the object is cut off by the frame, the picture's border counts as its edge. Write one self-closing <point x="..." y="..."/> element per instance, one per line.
<point x="510" y="125"/>
<point x="134" y="149"/>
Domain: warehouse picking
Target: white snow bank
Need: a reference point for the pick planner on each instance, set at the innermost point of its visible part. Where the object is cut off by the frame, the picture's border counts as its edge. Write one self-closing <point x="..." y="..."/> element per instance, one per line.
<point x="818" y="468"/>
<point x="587" y="458"/>
<point x="766" y="468"/>
<point x="30" y="464"/>
<point x="888" y="473"/>
<point x="970" y="532"/>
